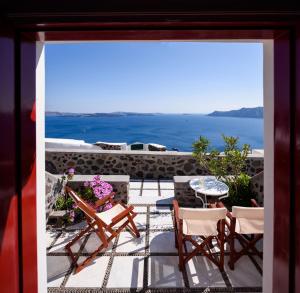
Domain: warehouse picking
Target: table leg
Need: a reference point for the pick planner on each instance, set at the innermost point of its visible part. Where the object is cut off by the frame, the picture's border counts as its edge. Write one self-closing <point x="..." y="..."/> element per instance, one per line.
<point x="200" y="197"/>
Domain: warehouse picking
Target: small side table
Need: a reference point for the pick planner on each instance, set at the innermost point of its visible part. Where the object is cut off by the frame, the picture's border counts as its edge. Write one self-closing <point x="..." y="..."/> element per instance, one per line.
<point x="208" y="186"/>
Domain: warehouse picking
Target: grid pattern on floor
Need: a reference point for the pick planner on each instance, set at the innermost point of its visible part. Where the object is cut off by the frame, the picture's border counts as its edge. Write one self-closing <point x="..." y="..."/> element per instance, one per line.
<point x="152" y="187"/>
<point x="148" y="264"/>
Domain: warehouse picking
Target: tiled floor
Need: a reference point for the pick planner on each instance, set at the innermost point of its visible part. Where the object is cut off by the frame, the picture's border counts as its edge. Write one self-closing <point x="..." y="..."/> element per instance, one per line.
<point x="147" y="264"/>
<point x="151" y="192"/>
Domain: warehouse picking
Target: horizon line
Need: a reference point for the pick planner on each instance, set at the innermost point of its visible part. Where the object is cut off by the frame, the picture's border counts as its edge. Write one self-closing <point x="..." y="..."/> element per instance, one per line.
<point x="135" y="112"/>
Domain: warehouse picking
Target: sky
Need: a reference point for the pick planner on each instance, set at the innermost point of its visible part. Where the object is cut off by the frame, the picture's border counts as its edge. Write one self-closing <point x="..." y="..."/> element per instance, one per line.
<point x="153" y="77"/>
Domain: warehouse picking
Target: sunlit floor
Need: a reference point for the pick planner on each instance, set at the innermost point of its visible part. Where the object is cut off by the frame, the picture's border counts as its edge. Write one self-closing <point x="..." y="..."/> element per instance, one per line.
<point x="146" y="264"/>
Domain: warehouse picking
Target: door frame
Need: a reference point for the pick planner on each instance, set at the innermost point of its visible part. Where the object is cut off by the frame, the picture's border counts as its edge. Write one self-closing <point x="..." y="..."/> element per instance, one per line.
<point x="21" y="114"/>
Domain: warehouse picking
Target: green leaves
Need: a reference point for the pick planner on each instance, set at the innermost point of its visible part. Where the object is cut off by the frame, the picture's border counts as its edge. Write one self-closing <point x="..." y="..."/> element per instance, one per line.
<point x="228" y="166"/>
<point x="63" y="203"/>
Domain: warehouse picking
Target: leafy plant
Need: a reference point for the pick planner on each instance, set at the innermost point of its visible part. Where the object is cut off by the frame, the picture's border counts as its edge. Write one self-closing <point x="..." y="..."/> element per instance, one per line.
<point x="228" y="166"/>
<point x="90" y="192"/>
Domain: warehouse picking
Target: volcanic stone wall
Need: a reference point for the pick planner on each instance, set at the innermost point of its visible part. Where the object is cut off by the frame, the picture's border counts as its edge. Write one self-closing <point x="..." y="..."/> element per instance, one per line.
<point x="136" y="164"/>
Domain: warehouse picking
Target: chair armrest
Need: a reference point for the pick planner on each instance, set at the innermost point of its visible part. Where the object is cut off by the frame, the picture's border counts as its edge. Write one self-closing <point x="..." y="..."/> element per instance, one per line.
<point x="102" y="201"/>
<point x="122" y="215"/>
<point x="219" y="204"/>
<point x="178" y="222"/>
<point x="254" y="203"/>
<point x="176" y="209"/>
<point x="229" y="215"/>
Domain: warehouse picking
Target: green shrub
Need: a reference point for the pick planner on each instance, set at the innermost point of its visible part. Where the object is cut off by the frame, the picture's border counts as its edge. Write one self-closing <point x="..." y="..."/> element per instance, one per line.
<point x="227" y="167"/>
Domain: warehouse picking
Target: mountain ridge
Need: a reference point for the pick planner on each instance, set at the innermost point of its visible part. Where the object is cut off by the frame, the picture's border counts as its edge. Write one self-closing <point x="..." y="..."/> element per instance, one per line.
<point x="256" y="112"/>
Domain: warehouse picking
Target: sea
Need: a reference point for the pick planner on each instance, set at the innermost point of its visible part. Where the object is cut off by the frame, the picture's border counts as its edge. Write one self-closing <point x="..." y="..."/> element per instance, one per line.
<point x="175" y="131"/>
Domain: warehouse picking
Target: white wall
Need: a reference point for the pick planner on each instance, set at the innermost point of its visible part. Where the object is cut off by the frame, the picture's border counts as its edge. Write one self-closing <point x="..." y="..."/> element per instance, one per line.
<point x="268" y="164"/>
<point x="40" y="163"/>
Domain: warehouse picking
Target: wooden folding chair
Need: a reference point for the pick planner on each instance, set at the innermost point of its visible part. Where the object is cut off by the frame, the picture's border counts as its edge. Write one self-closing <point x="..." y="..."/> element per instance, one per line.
<point x="208" y="224"/>
<point x="246" y="224"/>
<point x="107" y="225"/>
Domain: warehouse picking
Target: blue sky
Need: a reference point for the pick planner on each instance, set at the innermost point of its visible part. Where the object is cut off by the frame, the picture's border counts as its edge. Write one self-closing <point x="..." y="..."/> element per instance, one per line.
<point x="165" y="77"/>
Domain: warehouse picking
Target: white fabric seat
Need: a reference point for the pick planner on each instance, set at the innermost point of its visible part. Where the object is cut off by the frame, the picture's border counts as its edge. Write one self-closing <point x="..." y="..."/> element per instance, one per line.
<point x="248" y="220"/>
<point x="201" y="221"/>
<point x="108" y="215"/>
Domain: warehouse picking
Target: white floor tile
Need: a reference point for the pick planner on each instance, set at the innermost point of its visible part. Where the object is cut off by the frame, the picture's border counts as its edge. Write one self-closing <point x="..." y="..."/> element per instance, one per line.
<point x="144" y="199"/>
<point x="57" y="268"/>
<point x="134" y="192"/>
<point x="164" y="272"/>
<point x="244" y="274"/>
<point x="161" y="221"/>
<point x="94" y="242"/>
<point x="167" y="193"/>
<point x="80" y="225"/>
<point x="128" y="243"/>
<point x="150" y="185"/>
<point x="126" y="272"/>
<point x="140" y="221"/>
<point x="50" y="236"/>
<point x="258" y="260"/>
<point x="160" y="209"/>
<point x="166" y="184"/>
<point x="162" y="242"/>
<point x="135" y="184"/>
<point x="203" y="273"/>
<point x="150" y="192"/>
<point x="92" y="275"/>
<point x="139" y="209"/>
<point x="64" y="239"/>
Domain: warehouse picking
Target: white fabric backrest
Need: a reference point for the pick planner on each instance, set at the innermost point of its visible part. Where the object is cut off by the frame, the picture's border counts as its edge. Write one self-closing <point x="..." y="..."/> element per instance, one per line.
<point x="249" y="220"/>
<point x="202" y="221"/>
<point x="248" y="213"/>
<point x="214" y="214"/>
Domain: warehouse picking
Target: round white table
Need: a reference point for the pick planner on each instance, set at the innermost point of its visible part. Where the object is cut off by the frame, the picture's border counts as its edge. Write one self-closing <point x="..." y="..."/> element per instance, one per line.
<point x="208" y="186"/>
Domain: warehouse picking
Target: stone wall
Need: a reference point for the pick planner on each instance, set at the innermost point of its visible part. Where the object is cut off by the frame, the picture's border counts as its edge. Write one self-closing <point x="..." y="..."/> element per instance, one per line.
<point x="119" y="183"/>
<point x="136" y="164"/>
<point x="53" y="189"/>
<point x="185" y="195"/>
<point x="257" y="185"/>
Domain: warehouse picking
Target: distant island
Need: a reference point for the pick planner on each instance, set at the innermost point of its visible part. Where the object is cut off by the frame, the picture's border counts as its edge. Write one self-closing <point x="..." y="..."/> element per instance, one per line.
<point x="241" y="113"/>
<point x="257" y="112"/>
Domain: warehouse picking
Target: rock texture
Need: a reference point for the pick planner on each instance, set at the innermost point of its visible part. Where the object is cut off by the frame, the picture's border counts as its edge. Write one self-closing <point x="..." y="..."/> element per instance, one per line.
<point x="185" y="195"/>
<point x="54" y="187"/>
<point x="136" y="164"/>
<point x="119" y="183"/>
<point x="257" y="185"/>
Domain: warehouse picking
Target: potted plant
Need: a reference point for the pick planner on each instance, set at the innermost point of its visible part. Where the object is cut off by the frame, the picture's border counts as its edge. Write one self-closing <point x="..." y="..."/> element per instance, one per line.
<point x="228" y="167"/>
<point x="90" y="192"/>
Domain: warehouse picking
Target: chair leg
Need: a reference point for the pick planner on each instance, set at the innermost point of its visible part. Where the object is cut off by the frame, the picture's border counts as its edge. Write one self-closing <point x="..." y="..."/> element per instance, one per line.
<point x="73" y="241"/>
<point x="175" y="232"/>
<point x="221" y="237"/>
<point x="176" y="243"/>
<point x="180" y="253"/>
<point x="232" y="252"/>
<point x="133" y="227"/>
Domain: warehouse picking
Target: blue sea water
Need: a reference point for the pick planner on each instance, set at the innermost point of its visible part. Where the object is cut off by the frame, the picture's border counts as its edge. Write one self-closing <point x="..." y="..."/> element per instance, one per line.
<point x="171" y="130"/>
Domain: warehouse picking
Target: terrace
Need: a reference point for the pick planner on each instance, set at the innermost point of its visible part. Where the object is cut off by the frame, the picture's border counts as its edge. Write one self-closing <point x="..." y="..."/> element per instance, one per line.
<point x="148" y="263"/>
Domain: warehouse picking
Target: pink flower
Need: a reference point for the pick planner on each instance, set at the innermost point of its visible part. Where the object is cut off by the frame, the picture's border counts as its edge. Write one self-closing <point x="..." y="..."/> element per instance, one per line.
<point x="71" y="171"/>
<point x="72" y="215"/>
<point x="108" y="206"/>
